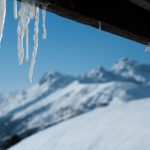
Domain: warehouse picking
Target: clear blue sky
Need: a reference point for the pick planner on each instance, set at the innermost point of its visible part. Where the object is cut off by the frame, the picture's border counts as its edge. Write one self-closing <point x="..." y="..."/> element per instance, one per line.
<point x="70" y="48"/>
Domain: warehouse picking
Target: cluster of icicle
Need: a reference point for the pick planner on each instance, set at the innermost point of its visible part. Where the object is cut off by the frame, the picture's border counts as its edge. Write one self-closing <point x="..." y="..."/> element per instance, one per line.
<point x="28" y="11"/>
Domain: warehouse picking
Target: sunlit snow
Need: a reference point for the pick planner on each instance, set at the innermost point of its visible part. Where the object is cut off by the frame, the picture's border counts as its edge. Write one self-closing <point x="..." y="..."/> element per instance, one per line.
<point x="117" y="127"/>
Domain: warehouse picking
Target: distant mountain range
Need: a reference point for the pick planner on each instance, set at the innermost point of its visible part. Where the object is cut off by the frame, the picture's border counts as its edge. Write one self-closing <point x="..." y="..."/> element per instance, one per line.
<point x="59" y="97"/>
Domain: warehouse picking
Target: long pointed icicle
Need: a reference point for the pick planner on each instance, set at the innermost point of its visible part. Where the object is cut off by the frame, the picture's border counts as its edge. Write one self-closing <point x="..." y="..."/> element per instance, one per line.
<point x="44" y="6"/>
<point x="2" y="17"/>
<point x="35" y="38"/>
<point x="20" y="31"/>
<point x="23" y="31"/>
<point x="100" y="25"/>
<point x="27" y="20"/>
<point x="15" y="9"/>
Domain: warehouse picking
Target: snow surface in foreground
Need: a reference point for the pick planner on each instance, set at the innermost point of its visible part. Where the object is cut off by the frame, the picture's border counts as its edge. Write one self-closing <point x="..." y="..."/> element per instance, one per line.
<point x="117" y="127"/>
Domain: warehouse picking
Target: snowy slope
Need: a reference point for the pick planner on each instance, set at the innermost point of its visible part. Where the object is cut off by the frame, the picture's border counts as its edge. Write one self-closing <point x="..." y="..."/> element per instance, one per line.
<point x="117" y="127"/>
<point x="60" y="97"/>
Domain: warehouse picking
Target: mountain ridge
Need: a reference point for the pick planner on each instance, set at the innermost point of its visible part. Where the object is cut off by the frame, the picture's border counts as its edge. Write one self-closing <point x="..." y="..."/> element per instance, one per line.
<point x="57" y="97"/>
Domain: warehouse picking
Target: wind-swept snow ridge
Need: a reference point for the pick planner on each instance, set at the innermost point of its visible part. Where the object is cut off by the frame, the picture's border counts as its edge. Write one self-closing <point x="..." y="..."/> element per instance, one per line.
<point x="2" y="17"/>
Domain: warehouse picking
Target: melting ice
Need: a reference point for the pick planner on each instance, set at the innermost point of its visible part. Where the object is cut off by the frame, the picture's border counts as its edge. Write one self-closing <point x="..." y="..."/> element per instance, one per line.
<point x="100" y="25"/>
<point x="44" y="6"/>
<point x="2" y="17"/>
<point x="15" y="9"/>
<point x="35" y="38"/>
<point x="26" y="13"/>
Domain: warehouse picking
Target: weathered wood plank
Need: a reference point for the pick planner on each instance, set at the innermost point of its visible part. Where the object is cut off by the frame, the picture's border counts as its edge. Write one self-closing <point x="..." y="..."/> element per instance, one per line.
<point x="121" y="17"/>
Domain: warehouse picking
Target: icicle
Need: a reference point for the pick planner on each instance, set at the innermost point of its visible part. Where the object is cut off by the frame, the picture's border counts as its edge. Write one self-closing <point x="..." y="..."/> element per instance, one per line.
<point x="23" y="30"/>
<point x="147" y="48"/>
<point x="20" y="31"/>
<point x="44" y="6"/>
<point x="26" y="28"/>
<point x="25" y="14"/>
<point x="100" y="25"/>
<point x="15" y="9"/>
<point x="32" y="9"/>
<point x="2" y="17"/>
<point x="35" y="38"/>
<point x="27" y="20"/>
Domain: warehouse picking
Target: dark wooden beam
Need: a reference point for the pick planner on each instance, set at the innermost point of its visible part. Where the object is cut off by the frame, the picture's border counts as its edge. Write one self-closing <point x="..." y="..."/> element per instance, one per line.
<point x="121" y="17"/>
<point x="142" y="3"/>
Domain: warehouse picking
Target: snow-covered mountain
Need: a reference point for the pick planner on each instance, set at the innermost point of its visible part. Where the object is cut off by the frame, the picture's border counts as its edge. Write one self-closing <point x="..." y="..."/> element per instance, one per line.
<point x="132" y="70"/>
<point x="60" y="97"/>
<point x="117" y="127"/>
